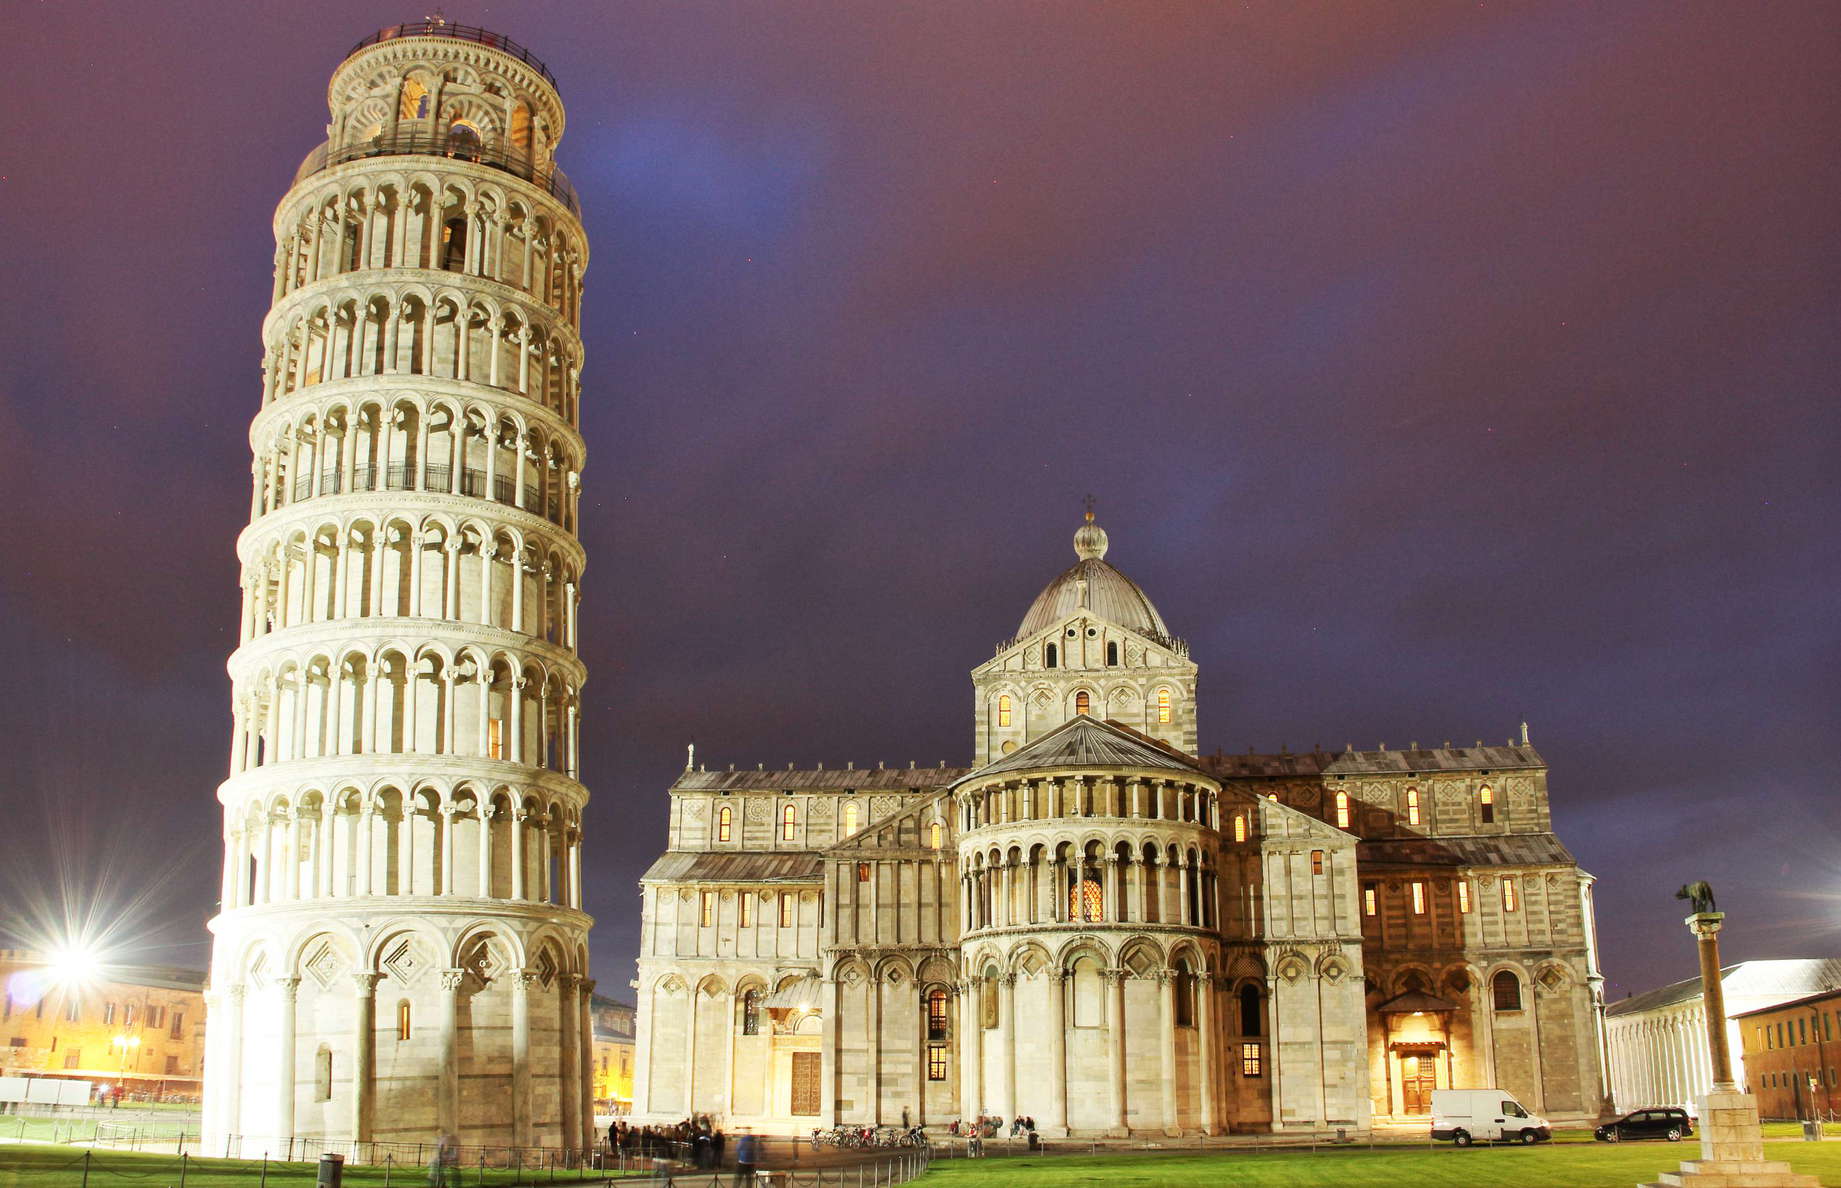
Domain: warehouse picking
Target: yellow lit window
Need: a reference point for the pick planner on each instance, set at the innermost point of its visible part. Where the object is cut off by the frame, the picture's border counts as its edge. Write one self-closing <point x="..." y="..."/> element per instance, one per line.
<point x="1463" y="895"/>
<point x="707" y="912"/>
<point x="862" y="872"/>
<point x="1412" y="806"/>
<point x="1342" y="810"/>
<point x="1163" y="705"/>
<point x="725" y="823"/>
<point x="1509" y="901"/>
<point x="1370" y="904"/>
<point x="851" y="820"/>
<point x="495" y="738"/>
<point x="786" y="909"/>
<point x="1086" y="900"/>
<point x="1249" y="1060"/>
<point x="1418" y="898"/>
<point x="1240" y="827"/>
<point x="402" y="1020"/>
<point x="1003" y="711"/>
<point x="936" y="1062"/>
<point x="1486" y="805"/>
<point x="789" y="822"/>
<point x="747" y="910"/>
<point x="1082" y="702"/>
<point x="1316" y="862"/>
<point x="935" y="835"/>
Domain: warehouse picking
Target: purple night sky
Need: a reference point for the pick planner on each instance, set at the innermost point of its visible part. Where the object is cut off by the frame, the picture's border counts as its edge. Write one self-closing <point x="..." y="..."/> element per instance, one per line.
<point x="1434" y="366"/>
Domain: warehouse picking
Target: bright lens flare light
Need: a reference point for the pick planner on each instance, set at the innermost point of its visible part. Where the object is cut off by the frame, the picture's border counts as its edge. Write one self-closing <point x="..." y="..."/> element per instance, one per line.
<point x="74" y="967"/>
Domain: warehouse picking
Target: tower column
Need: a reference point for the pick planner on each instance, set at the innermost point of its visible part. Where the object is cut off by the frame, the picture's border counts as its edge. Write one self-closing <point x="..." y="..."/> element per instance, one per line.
<point x="364" y="1053"/>
<point x="1115" y="1045"/>
<point x="1056" y="1121"/>
<point x="286" y="995"/>
<point x="521" y="1056"/>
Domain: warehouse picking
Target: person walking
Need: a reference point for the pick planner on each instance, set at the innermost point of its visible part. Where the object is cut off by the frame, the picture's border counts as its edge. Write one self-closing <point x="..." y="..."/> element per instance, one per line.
<point x="746" y="1151"/>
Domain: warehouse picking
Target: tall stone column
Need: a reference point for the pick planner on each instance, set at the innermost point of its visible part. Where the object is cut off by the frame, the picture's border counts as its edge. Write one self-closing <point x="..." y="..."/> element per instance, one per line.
<point x="971" y="1029"/>
<point x="872" y="1023"/>
<point x="1208" y="1048"/>
<point x="1006" y="1059"/>
<point x="569" y="1026"/>
<point x="1166" y="1045"/>
<point x="521" y="982"/>
<point x="287" y="991"/>
<point x="829" y="1037"/>
<point x="1115" y="1047"/>
<point x="447" y="1093"/>
<point x="364" y="1053"/>
<point x="1056" y="1121"/>
<point x="586" y="1055"/>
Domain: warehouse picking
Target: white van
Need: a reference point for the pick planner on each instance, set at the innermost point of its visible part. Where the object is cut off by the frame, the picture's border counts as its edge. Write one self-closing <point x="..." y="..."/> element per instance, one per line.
<point x="1466" y="1116"/>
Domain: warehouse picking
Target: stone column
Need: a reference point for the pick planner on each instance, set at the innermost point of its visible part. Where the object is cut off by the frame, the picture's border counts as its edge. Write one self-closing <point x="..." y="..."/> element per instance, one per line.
<point x="287" y="990"/>
<point x="1115" y="1046"/>
<point x="1208" y="1048"/>
<point x="586" y="1058"/>
<point x="447" y="1090"/>
<point x="233" y="1059"/>
<point x="521" y="981"/>
<point x="1166" y="1045"/>
<point x="827" y="1061"/>
<point x="1056" y="1120"/>
<point x="971" y="1028"/>
<point x="872" y="1043"/>
<point x="1006" y="1062"/>
<point x="570" y="1025"/>
<point x="364" y="1027"/>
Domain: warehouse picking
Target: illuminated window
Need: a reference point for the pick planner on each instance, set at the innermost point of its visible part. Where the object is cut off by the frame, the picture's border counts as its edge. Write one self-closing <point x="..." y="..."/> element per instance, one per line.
<point x="1240" y="827"/>
<point x="415" y="101"/>
<point x="1370" y="904"/>
<point x="495" y="738"/>
<point x="1082" y="702"/>
<point x="1003" y="711"/>
<point x="747" y="909"/>
<point x="1412" y="806"/>
<point x="786" y="909"/>
<point x="1316" y="862"/>
<point x="1250" y="1060"/>
<point x="1463" y="895"/>
<point x="1085" y="900"/>
<point x="789" y="822"/>
<point x="1486" y="805"/>
<point x="1342" y="810"/>
<point x="936" y="1014"/>
<point x="725" y="823"/>
<point x="751" y="1013"/>
<point x="706" y="914"/>
<point x="73" y="1009"/>
<point x="402" y="1020"/>
<point x="108" y="1011"/>
<point x="127" y="1014"/>
<point x="1505" y="988"/>
<point x="1509" y="902"/>
<point x="851" y="819"/>
<point x="936" y="1062"/>
<point x="1049" y="656"/>
<point x="1418" y="898"/>
<point x="1163" y="705"/>
<point x="935" y="835"/>
<point x="862" y="872"/>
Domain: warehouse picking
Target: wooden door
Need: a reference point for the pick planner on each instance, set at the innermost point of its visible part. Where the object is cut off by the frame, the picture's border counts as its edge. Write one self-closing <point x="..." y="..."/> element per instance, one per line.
<point x="1417" y="1080"/>
<point x="806" y="1077"/>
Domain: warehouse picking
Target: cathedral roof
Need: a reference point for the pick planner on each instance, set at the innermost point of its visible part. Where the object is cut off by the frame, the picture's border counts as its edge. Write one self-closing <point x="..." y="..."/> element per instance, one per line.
<point x="1092" y="584"/>
<point x="1086" y="741"/>
<point x="1352" y="762"/>
<point x="1496" y="849"/>
<point x="688" y="866"/>
<point x="818" y="779"/>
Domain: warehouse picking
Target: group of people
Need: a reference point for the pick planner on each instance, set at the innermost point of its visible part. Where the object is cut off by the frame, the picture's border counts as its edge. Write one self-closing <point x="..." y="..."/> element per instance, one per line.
<point x="988" y="1126"/>
<point x="695" y="1141"/>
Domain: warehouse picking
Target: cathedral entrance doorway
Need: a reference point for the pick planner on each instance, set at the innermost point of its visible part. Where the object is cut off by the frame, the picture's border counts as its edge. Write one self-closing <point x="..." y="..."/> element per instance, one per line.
<point x="1418" y="1077"/>
<point x="805" y="1088"/>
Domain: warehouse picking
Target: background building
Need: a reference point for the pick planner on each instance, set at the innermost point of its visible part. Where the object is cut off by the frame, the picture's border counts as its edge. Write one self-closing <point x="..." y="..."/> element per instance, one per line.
<point x="141" y="1026"/>
<point x="1658" y="1039"/>
<point x="401" y="949"/>
<point x="613" y="1056"/>
<point x="1791" y="1055"/>
<point x="1102" y="929"/>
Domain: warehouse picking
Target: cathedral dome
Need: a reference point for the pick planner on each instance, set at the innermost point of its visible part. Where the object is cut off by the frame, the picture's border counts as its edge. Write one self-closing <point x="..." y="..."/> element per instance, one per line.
<point x="1093" y="585"/>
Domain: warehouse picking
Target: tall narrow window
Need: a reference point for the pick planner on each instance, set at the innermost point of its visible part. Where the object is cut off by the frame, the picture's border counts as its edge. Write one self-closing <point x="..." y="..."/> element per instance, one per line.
<point x="745" y="908"/>
<point x="935" y="835"/>
<point x="1370" y="900"/>
<point x="1112" y="654"/>
<point x="495" y="739"/>
<point x="936" y="1013"/>
<point x="1463" y="896"/>
<point x="862" y="872"/>
<point x="402" y="1020"/>
<point x="1486" y="805"/>
<point x="751" y="1013"/>
<point x="1250" y="1023"/>
<point x="1003" y="712"/>
<point x="706" y="913"/>
<point x="852" y="822"/>
<point x="1412" y="806"/>
<point x="1049" y="656"/>
<point x="1240" y="827"/>
<point x="1249" y="1060"/>
<point x="725" y="824"/>
<point x="1082" y="702"/>
<point x="1086" y="900"/>
<point x="1418" y="898"/>
<point x="1185" y="996"/>
<point x="936" y="1062"/>
<point x="1342" y="810"/>
<point x="1509" y="900"/>
<point x="1505" y="988"/>
<point x="322" y="1074"/>
<point x="789" y="822"/>
<point x="786" y="909"/>
<point x="1316" y="862"/>
<point x="1163" y="705"/>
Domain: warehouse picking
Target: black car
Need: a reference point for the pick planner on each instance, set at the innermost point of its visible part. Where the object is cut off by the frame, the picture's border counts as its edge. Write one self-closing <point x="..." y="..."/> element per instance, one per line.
<point x="1671" y="1123"/>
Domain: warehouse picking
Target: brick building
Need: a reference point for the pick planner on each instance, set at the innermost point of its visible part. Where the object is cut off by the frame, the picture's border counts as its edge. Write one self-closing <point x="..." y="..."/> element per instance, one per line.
<point x="1792" y="1055"/>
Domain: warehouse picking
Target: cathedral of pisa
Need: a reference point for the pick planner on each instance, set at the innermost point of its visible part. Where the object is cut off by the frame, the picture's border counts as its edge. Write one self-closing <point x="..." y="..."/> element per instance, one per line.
<point x="1101" y="928"/>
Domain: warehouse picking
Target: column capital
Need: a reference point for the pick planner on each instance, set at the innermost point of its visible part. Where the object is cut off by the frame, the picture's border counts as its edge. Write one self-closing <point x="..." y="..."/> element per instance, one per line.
<point x="366" y="983"/>
<point x="289" y="987"/>
<point x="451" y="979"/>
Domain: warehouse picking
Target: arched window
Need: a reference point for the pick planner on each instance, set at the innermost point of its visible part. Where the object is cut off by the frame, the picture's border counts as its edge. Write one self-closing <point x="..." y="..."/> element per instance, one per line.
<point x="935" y="835"/>
<point x="1049" y="656"/>
<point x="1163" y="705"/>
<point x="725" y="823"/>
<point x="936" y="1014"/>
<point x="463" y="141"/>
<point x="1249" y="1010"/>
<point x="1185" y="995"/>
<point x="415" y="100"/>
<point x="852" y="822"/>
<point x="1083" y="703"/>
<point x="1342" y="810"/>
<point x="1486" y="805"/>
<point x="1085" y="899"/>
<point x="1412" y="806"/>
<point x="789" y="822"/>
<point x="1505" y="988"/>
<point x="987" y="998"/>
<point x="1112" y="654"/>
<point x="1003" y="712"/>
<point x="402" y="1019"/>
<point x="454" y="245"/>
<point x="751" y="1013"/>
<point x="1240" y="827"/>
<point x="322" y="1074"/>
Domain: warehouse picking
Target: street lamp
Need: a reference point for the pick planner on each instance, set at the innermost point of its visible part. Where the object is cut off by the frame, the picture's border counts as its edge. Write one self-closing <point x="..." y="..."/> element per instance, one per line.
<point x="127" y="1044"/>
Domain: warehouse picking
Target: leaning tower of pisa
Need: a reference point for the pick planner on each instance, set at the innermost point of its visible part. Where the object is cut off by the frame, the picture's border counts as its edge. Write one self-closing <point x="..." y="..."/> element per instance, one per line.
<point x="401" y="949"/>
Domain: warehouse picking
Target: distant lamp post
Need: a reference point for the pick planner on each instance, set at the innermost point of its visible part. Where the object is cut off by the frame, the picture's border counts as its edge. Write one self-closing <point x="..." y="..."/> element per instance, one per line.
<point x="129" y="1044"/>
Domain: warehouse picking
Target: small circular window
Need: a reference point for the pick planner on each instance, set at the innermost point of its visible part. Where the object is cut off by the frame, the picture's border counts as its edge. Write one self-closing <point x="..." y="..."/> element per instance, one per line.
<point x="1070" y="633"/>
<point x="1092" y="631"/>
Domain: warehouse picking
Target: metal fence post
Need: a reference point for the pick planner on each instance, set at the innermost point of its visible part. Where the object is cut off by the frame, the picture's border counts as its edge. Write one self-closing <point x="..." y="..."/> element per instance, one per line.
<point x="183" y="1158"/>
<point x="387" y="1160"/>
<point x="264" y="1182"/>
<point x="86" y="1159"/>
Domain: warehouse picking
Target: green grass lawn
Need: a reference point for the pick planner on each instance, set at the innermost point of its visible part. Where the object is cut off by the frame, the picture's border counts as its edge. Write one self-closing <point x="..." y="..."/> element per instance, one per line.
<point x="26" y="1165"/>
<point x="1574" y="1165"/>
